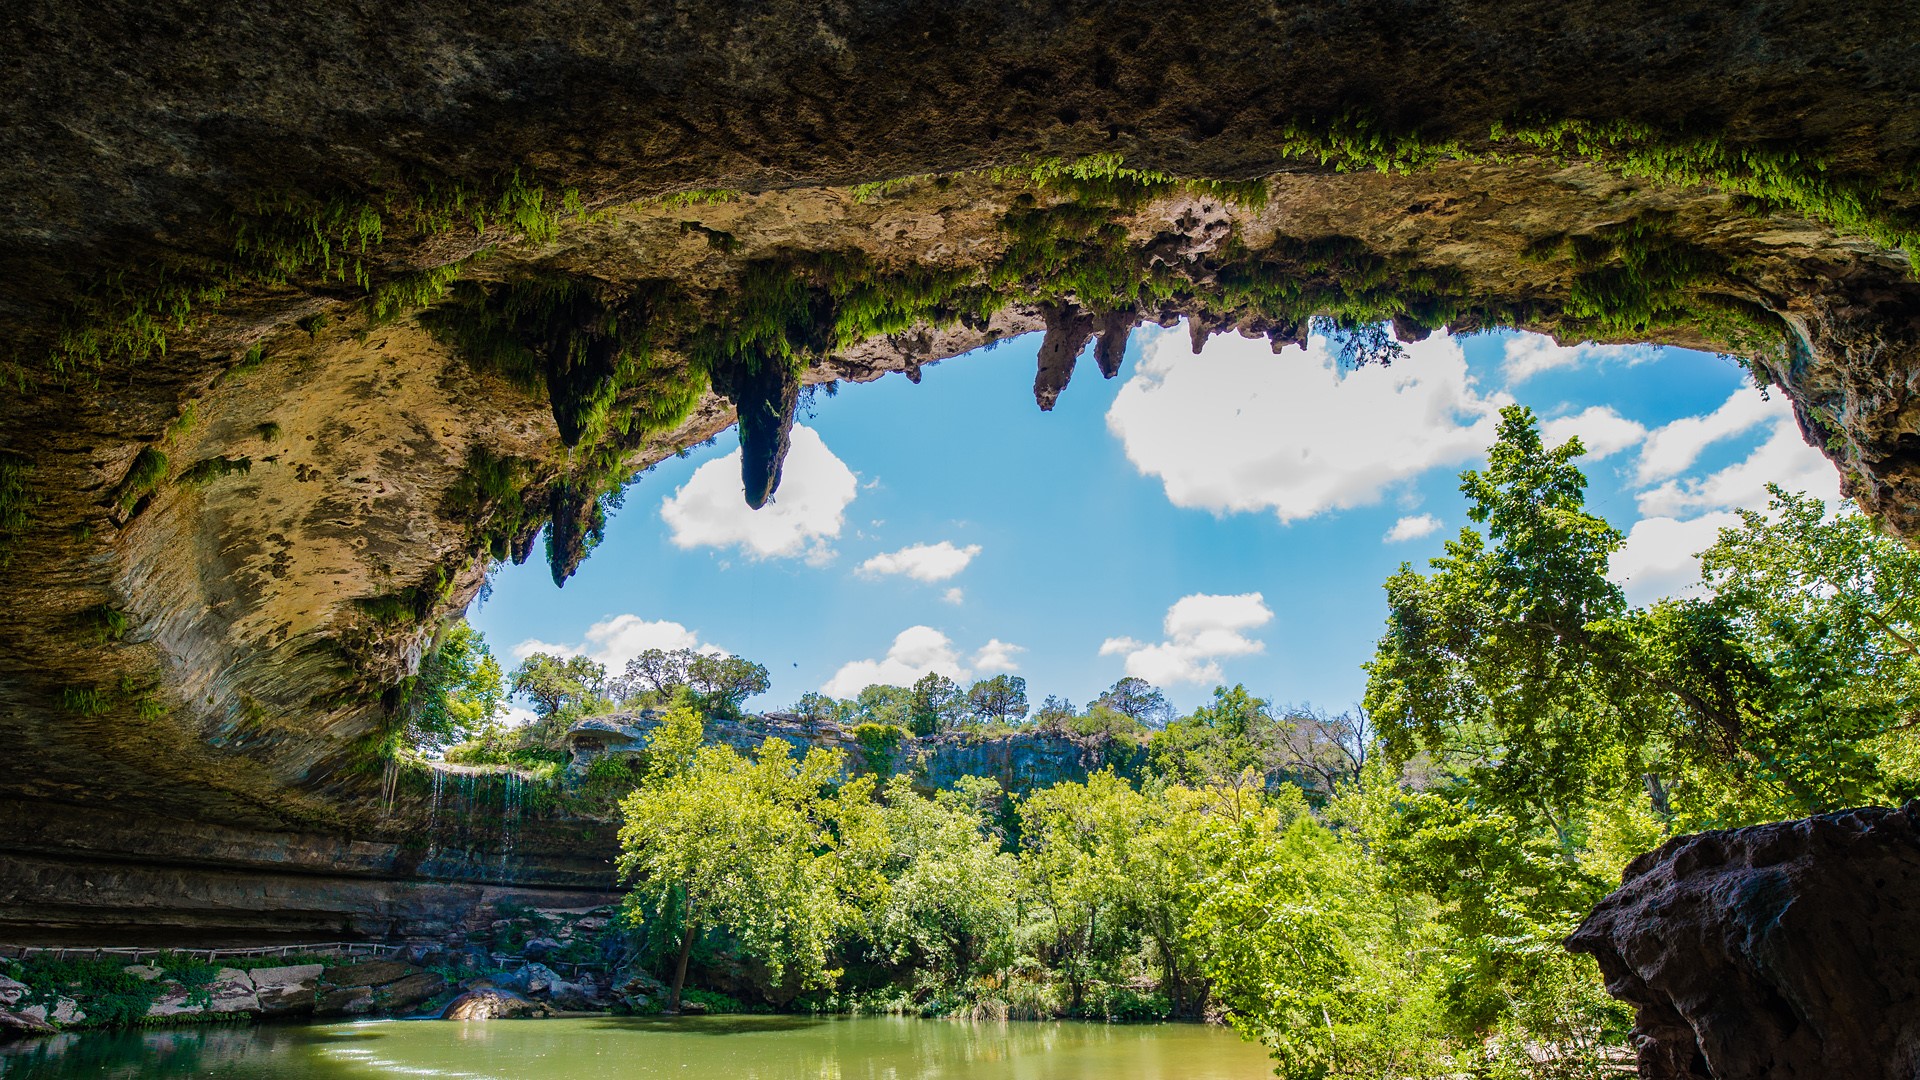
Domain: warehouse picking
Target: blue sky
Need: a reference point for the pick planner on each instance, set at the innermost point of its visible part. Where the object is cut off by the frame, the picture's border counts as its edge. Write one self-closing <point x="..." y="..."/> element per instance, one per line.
<point x="1228" y="516"/>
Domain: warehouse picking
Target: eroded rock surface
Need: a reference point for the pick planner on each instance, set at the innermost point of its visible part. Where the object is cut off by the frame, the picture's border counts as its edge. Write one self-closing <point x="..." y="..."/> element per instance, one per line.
<point x="1776" y="951"/>
<point x="313" y="313"/>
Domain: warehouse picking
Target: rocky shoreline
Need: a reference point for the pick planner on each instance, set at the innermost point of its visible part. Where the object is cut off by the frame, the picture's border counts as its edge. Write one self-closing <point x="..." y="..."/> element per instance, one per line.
<point x="561" y="962"/>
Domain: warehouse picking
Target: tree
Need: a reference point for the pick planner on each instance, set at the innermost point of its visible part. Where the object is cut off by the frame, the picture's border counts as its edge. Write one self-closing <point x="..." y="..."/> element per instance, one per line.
<point x="887" y="705"/>
<point x="722" y="682"/>
<point x="1138" y="700"/>
<point x="655" y="673"/>
<point x="1055" y="715"/>
<point x="934" y="704"/>
<point x="1001" y="698"/>
<point x="712" y="840"/>
<point x="561" y="690"/>
<point x="459" y="691"/>
<point x="818" y="708"/>
<point x="1232" y="739"/>
<point x="1501" y="636"/>
<point x="1324" y="749"/>
<point x="949" y="899"/>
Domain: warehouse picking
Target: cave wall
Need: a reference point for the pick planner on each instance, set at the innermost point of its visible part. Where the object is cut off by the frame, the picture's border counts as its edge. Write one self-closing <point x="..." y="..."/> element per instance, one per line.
<point x="199" y="669"/>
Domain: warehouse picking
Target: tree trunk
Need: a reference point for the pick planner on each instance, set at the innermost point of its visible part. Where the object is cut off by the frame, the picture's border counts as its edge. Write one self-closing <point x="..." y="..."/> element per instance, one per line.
<point x="680" y="969"/>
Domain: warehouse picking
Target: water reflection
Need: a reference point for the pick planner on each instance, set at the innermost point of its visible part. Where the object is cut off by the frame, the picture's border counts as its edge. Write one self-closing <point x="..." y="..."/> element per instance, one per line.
<point x="704" y="1048"/>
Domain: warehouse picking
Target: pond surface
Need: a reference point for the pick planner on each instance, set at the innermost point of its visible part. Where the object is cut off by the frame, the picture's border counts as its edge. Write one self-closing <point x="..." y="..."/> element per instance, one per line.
<point x="696" y="1048"/>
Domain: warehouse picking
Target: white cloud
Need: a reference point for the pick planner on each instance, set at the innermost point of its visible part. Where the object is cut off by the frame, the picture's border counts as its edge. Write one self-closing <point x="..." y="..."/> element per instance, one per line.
<point x="1661" y="555"/>
<point x="1600" y="430"/>
<point x="616" y="640"/>
<point x="922" y="562"/>
<point x="1528" y="355"/>
<point x="1202" y="629"/>
<point x="809" y="510"/>
<point x="1784" y="459"/>
<point x="915" y="651"/>
<point x="995" y="656"/>
<point x="954" y="596"/>
<point x="1239" y="429"/>
<point x="1672" y="449"/>
<point x="1412" y="528"/>
<point x="514" y="716"/>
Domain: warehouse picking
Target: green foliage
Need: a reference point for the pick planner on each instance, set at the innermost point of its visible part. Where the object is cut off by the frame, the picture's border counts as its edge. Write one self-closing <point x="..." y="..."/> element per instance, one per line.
<point x="880" y="743"/>
<point x="281" y="239"/>
<point x="460" y="689"/>
<point x="143" y="478"/>
<point x="715" y="842"/>
<point x="1808" y="184"/>
<point x="106" y="622"/>
<point x="1001" y="698"/>
<point x="201" y="473"/>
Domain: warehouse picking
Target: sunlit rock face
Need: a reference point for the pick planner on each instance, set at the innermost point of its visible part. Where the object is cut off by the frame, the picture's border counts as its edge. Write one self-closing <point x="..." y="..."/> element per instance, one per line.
<point x="1773" y="951"/>
<point x="313" y="313"/>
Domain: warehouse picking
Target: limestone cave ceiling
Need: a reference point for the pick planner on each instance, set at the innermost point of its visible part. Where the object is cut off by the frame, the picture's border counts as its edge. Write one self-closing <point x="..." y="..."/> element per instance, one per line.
<point x="314" y="311"/>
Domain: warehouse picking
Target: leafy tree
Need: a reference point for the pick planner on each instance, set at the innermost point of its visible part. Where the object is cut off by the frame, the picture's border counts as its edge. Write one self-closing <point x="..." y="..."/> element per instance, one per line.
<point x="819" y="709"/>
<point x="949" y="902"/>
<point x="654" y="675"/>
<point x="1231" y="739"/>
<point x="722" y="682"/>
<point x="715" y="841"/>
<point x="1055" y="714"/>
<point x="561" y="690"/>
<point x="459" y="691"/>
<point x="934" y="704"/>
<point x="1138" y="700"/>
<point x="1069" y="833"/>
<point x="880" y="704"/>
<point x="1499" y="638"/>
<point x="1002" y="698"/>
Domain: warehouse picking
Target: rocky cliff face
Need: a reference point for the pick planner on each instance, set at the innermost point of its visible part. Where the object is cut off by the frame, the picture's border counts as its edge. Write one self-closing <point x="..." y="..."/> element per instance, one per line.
<point x="1781" y="950"/>
<point x="314" y="313"/>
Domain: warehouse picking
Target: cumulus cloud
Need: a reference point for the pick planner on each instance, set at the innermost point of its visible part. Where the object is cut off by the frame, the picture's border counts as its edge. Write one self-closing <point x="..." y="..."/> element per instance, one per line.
<point x="809" y="511"/>
<point x="1784" y="459"/>
<point x="616" y="640"/>
<point x="954" y="596"/>
<point x="996" y="656"/>
<point x="1672" y="449"/>
<point x="922" y="562"/>
<point x="1201" y="630"/>
<point x="915" y="651"/>
<point x="1600" y="430"/>
<point x="1412" y="528"/>
<point x="1528" y="355"/>
<point x="1239" y="429"/>
<point x="1662" y="555"/>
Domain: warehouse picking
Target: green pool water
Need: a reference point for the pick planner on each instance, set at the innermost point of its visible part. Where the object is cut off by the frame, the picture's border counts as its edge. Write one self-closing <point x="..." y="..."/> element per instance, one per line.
<point x="701" y="1048"/>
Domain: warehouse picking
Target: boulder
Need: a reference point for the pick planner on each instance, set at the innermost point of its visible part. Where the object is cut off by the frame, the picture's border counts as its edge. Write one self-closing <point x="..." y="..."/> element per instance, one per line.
<point x="11" y="991"/>
<point x="232" y="991"/>
<point x="1782" y="950"/>
<point x="491" y="1004"/>
<point x="286" y="991"/>
<point x="67" y="1012"/>
<point x="542" y="947"/>
<point x="368" y="973"/>
<point x="24" y="1022"/>
<point x="144" y="972"/>
<point x="344" y="1001"/>
<point x="410" y="991"/>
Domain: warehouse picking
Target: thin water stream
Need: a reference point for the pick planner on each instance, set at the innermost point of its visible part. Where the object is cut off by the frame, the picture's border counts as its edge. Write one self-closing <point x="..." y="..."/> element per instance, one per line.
<point x="605" y="1048"/>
